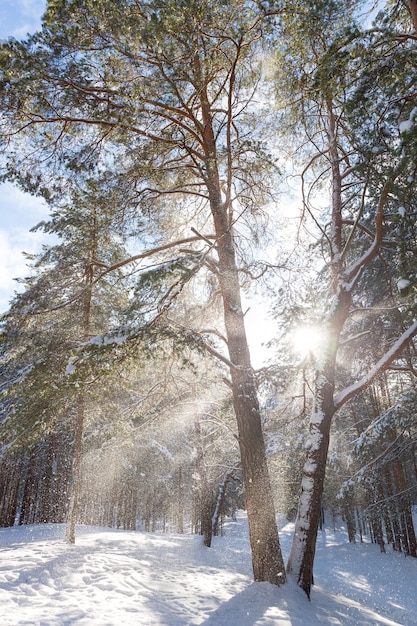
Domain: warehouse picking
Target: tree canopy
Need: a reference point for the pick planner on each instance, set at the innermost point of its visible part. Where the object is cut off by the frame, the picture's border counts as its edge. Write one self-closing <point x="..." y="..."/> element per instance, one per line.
<point x="162" y="135"/>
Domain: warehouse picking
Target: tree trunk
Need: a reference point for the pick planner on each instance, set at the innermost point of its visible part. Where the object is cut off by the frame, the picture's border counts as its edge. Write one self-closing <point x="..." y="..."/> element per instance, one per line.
<point x="410" y="532"/>
<point x="76" y="472"/>
<point x="301" y="559"/>
<point x="203" y="489"/>
<point x="350" y="523"/>
<point x="180" y="512"/>
<point x="409" y="541"/>
<point x="10" y="477"/>
<point x="80" y="410"/>
<point x="267" y="561"/>
<point x="26" y="509"/>
<point x="300" y="564"/>
<point x="412" y="4"/>
<point x="221" y="492"/>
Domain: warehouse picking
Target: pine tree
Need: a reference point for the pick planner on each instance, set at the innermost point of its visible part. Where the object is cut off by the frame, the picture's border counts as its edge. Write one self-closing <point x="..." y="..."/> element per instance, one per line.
<point x="363" y="171"/>
<point x="59" y="310"/>
<point x="162" y="93"/>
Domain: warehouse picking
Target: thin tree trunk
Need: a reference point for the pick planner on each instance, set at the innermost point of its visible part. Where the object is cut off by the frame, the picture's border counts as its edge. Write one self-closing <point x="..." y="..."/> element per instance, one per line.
<point x="204" y="492"/>
<point x="80" y="411"/>
<point x="10" y="477"/>
<point x="76" y="472"/>
<point x="410" y="531"/>
<point x="404" y="508"/>
<point x="221" y="492"/>
<point x="180" y="512"/>
<point x="377" y="527"/>
<point x="350" y="523"/>
<point x="29" y="481"/>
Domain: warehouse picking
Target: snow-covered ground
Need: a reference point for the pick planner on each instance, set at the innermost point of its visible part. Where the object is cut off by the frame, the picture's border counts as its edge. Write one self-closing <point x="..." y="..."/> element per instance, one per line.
<point x="117" y="578"/>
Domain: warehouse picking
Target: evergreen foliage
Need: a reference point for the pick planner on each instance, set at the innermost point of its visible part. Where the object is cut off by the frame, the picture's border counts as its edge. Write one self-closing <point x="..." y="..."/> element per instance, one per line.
<point x="159" y="132"/>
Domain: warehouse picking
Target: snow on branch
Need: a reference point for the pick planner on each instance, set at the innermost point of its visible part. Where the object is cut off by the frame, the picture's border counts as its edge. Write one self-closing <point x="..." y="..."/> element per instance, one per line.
<point x="152" y="252"/>
<point x="353" y="390"/>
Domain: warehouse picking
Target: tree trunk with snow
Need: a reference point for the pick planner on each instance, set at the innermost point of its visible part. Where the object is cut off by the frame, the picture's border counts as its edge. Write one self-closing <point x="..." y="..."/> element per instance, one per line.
<point x="300" y="564"/>
<point x="344" y="281"/>
<point x="301" y="559"/>
<point x="326" y="403"/>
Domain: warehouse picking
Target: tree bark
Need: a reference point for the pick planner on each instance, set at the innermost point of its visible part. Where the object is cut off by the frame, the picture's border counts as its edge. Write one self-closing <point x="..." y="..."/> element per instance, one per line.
<point x="180" y="511"/>
<point x="10" y="477"/>
<point x="412" y="5"/>
<point x="76" y="472"/>
<point x="267" y="561"/>
<point x="301" y="559"/>
<point x="81" y="399"/>
<point x="404" y="509"/>
<point x="221" y="492"/>
<point x="203" y="489"/>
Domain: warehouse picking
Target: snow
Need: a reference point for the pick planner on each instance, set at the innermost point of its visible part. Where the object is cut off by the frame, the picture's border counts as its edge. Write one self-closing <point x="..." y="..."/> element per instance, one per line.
<point x="107" y="340"/>
<point x="70" y="367"/>
<point x="121" y="578"/>
<point x="406" y="126"/>
<point x="403" y="283"/>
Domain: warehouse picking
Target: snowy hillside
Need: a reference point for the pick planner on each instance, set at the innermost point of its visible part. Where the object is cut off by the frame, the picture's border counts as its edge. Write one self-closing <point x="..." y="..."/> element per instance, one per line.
<point x="116" y="578"/>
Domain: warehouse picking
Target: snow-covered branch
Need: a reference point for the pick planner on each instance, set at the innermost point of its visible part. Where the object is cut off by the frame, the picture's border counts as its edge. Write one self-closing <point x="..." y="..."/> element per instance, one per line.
<point x="353" y="390"/>
<point x="354" y="337"/>
<point x="148" y="253"/>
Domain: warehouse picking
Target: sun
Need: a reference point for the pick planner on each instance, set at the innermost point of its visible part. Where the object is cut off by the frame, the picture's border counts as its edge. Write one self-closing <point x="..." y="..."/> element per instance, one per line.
<point x="307" y="340"/>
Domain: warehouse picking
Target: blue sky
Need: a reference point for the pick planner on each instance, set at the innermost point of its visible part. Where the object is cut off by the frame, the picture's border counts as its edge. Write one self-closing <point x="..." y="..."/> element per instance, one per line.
<point x="19" y="17"/>
<point x="18" y="211"/>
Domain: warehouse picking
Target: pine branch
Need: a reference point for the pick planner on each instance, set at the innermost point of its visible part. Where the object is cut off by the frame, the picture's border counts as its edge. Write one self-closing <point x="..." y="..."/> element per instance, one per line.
<point x="380" y="367"/>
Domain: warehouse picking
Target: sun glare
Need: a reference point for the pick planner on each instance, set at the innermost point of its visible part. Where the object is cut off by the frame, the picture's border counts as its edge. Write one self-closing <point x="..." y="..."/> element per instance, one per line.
<point x="307" y="340"/>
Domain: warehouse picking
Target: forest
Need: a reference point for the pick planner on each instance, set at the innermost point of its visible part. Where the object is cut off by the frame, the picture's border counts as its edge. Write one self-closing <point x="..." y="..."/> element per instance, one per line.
<point x="215" y="169"/>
